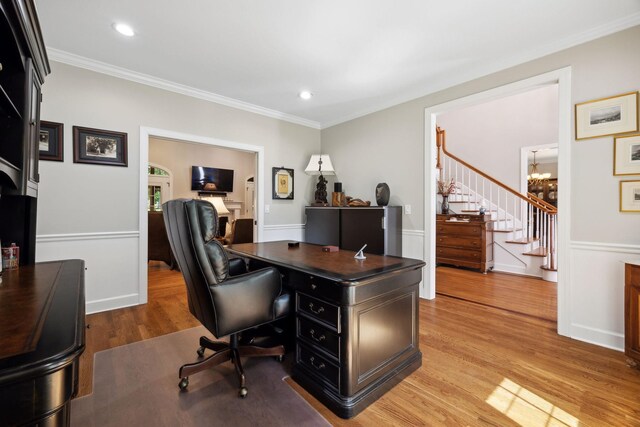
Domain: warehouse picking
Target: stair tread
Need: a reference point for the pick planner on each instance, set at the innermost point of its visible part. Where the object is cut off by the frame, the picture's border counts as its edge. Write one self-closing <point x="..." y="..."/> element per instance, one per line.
<point x="544" y="267"/>
<point x="541" y="252"/>
<point x="506" y="230"/>
<point x="523" y="241"/>
<point x="476" y="210"/>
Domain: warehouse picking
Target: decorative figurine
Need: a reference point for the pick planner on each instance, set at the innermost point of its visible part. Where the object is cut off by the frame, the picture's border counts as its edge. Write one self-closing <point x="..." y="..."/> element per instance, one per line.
<point x="382" y="194"/>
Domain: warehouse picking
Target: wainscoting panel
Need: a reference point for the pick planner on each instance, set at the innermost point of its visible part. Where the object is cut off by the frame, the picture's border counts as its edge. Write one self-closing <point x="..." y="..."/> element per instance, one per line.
<point x="596" y="292"/>
<point x="111" y="262"/>
<point x="413" y="244"/>
<point x="293" y="232"/>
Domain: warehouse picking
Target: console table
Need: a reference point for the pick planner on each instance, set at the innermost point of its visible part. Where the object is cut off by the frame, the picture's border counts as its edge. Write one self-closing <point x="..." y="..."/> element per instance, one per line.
<point x="356" y="330"/>
<point x="42" y="335"/>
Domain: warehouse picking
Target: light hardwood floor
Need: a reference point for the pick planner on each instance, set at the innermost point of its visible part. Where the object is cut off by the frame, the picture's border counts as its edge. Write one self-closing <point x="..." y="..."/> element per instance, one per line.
<point x="481" y="365"/>
<point x="520" y="294"/>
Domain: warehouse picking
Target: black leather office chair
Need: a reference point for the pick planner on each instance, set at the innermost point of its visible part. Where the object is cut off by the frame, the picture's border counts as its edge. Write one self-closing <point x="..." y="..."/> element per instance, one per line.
<point x="225" y="303"/>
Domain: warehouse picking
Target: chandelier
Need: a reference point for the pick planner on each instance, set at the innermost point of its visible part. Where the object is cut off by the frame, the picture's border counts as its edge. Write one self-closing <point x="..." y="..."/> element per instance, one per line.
<point x="535" y="177"/>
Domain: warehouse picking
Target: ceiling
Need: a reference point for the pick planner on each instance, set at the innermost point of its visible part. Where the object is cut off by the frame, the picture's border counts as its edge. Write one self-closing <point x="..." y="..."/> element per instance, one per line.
<point x="355" y="56"/>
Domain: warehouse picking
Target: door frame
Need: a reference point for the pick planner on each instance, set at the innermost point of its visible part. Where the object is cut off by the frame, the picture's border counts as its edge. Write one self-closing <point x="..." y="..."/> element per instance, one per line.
<point x="145" y="134"/>
<point x="561" y="77"/>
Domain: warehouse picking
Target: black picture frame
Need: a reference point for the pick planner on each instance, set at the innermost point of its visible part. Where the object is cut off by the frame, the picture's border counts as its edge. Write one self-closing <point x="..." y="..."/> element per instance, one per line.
<point x="282" y="183"/>
<point x="99" y="146"/>
<point x="50" y="141"/>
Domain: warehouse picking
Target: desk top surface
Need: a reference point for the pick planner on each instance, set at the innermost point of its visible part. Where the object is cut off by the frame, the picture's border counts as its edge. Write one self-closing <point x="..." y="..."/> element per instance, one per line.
<point x="41" y="315"/>
<point x="309" y="258"/>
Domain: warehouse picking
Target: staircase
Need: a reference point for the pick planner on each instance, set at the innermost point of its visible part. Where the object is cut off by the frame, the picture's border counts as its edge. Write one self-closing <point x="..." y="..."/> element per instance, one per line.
<point x="524" y="225"/>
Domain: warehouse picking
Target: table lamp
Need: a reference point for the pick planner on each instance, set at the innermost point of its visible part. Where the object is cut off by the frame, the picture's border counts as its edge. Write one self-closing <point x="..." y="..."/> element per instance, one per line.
<point x="320" y="164"/>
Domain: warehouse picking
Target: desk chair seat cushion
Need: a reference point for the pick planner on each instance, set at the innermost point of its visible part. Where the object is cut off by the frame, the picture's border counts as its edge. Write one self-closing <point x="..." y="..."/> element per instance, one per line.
<point x="249" y="300"/>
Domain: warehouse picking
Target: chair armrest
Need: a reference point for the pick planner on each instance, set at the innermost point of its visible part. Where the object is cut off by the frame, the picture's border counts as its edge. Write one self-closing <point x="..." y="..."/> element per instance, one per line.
<point x="237" y="266"/>
<point x="246" y="301"/>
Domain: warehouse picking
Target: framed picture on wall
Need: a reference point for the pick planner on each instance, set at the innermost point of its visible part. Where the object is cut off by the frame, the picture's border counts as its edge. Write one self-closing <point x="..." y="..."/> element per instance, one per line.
<point x="630" y="196"/>
<point x="50" y="141"/>
<point x="607" y="116"/>
<point x="282" y="183"/>
<point x="98" y="146"/>
<point x="626" y="155"/>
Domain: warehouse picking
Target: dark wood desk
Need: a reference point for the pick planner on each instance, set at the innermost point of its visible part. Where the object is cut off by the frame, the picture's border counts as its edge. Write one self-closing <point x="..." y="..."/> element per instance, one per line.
<point x="356" y="321"/>
<point x="42" y="335"/>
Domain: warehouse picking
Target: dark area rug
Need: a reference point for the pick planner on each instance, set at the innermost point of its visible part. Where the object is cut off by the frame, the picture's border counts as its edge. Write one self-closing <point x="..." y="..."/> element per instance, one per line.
<point x="137" y="385"/>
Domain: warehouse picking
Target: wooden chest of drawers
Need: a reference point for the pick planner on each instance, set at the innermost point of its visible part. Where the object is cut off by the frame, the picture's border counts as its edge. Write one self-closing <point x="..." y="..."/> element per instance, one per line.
<point x="465" y="241"/>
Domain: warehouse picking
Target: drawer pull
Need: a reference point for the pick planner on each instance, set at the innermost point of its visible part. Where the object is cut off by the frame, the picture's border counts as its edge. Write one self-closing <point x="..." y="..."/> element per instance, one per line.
<point x="313" y="286"/>
<point x="317" y="339"/>
<point x="318" y="311"/>
<point x="319" y="366"/>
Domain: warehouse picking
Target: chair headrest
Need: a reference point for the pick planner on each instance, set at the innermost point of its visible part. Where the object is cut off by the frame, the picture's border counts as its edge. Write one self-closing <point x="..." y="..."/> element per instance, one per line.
<point x="207" y="217"/>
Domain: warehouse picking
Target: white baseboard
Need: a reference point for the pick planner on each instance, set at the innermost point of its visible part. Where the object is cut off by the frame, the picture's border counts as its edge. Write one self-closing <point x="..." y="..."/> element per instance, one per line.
<point x="112" y="303"/>
<point x="608" y="339"/>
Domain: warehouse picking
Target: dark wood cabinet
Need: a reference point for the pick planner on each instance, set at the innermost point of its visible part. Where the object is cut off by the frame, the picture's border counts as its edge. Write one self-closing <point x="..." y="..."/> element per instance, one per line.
<point x="465" y="241"/>
<point x="23" y="67"/>
<point x="379" y="227"/>
<point x="632" y="314"/>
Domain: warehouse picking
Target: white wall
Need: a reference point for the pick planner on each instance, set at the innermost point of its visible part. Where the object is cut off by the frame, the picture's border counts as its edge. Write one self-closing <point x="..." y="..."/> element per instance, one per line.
<point x="179" y="156"/>
<point x="80" y="205"/>
<point x="604" y="67"/>
<point x="490" y="135"/>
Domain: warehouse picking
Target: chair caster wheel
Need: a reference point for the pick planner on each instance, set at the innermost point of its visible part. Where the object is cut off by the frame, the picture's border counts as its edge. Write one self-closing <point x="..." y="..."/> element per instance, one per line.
<point x="243" y="392"/>
<point x="200" y="351"/>
<point x="184" y="383"/>
<point x="280" y="358"/>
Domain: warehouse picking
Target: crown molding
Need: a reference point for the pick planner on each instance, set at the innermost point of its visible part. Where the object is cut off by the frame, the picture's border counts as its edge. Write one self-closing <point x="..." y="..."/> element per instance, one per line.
<point x="145" y="79"/>
<point x="486" y="69"/>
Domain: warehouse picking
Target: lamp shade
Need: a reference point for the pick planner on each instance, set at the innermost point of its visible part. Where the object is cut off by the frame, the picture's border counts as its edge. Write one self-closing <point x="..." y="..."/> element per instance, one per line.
<point x="314" y="167"/>
<point x="218" y="204"/>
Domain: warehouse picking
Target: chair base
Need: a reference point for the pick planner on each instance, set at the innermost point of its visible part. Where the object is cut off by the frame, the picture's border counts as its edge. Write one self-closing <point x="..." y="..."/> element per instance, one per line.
<point x="223" y="352"/>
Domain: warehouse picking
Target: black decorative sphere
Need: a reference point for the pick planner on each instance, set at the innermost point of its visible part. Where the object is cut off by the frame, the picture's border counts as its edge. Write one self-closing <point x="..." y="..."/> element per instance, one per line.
<point x="382" y="194"/>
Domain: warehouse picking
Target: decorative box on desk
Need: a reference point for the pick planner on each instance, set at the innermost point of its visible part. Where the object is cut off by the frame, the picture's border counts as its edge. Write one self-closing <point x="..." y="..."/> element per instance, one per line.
<point x="465" y="241"/>
<point x="380" y="227"/>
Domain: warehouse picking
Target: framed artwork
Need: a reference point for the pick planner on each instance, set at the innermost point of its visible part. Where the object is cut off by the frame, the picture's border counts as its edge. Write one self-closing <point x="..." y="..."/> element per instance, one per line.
<point x="626" y="155"/>
<point x="101" y="147"/>
<point x="50" y="141"/>
<point x="607" y="116"/>
<point x="630" y="196"/>
<point x="282" y="183"/>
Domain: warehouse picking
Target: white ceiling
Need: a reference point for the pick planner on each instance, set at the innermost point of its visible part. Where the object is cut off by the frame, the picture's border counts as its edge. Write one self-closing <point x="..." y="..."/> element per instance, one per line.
<point x="356" y="56"/>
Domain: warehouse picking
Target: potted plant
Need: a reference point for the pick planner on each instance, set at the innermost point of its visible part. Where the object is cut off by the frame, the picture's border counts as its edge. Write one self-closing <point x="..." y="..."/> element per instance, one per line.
<point x="445" y="188"/>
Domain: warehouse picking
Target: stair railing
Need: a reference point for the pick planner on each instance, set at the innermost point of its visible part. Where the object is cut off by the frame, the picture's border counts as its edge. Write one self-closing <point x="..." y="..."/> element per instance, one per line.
<point x="527" y="215"/>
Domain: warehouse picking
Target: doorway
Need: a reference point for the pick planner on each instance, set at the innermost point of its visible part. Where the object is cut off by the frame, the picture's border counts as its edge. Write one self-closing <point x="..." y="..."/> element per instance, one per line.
<point x="159" y="187"/>
<point x="145" y="134"/>
<point x="562" y="78"/>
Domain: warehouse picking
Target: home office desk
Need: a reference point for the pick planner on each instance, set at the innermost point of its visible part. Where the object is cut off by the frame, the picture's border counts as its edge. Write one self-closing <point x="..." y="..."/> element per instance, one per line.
<point x="356" y="333"/>
<point x="41" y="338"/>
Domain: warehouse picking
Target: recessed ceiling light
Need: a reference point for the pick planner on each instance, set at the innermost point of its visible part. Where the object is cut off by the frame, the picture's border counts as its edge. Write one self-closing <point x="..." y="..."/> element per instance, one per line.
<point x="124" y="29"/>
<point x="305" y="94"/>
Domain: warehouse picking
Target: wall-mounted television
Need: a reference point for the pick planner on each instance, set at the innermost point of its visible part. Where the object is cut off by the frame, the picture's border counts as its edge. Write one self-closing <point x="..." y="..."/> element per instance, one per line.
<point x="211" y="179"/>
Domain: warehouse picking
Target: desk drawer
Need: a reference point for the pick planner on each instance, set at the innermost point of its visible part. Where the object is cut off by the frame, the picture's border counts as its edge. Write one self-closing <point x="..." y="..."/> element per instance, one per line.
<point x="460" y="254"/>
<point x="319" y="336"/>
<point x="315" y="286"/>
<point x="459" y="241"/>
<point x="318" y="365"/>
<point x="459" y="229"/>
<point x="318" y="309"/>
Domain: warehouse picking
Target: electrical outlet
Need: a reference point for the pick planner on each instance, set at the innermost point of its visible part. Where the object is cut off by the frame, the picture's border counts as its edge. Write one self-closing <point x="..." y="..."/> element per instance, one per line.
<point x="407" y="209"/>
<point x="267" y="208"/>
